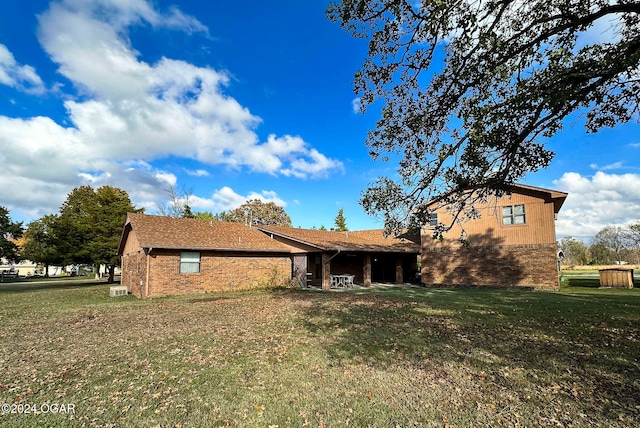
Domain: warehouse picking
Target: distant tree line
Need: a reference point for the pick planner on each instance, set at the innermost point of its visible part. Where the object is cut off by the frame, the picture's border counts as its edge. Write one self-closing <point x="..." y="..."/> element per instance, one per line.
<point x="88" y="226"/>
<point x="253" y="211"/>
<point x="611" y="245"/>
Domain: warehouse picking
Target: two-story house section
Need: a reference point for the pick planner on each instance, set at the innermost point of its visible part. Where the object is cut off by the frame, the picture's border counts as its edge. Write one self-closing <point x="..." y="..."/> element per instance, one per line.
<point x="512" y="244"/>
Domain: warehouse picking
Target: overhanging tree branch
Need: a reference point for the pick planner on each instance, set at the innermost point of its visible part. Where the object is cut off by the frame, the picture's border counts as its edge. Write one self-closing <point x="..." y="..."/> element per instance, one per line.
<point x="511" y="75"/>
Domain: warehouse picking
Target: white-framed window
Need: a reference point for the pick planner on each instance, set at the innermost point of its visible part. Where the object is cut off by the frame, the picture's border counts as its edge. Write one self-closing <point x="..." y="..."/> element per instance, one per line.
<point x="433" y="220"/>
<point x="514" y="214"/>
<point x="189" y="262"/>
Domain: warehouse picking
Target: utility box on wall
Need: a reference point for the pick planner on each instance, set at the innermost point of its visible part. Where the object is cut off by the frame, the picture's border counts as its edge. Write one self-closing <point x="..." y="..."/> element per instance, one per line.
<point x="616" y="277"/>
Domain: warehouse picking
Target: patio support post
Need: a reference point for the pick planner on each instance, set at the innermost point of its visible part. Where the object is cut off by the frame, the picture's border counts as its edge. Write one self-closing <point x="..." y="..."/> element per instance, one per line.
<point x="399" y="271"/>
<point x="326" y="271"/>
<point x="366" y="270"/>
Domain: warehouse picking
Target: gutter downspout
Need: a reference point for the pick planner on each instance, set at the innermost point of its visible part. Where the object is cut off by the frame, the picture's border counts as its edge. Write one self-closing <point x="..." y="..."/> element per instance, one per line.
<point x="330" y="258"/>
<point x="146" y="282"/>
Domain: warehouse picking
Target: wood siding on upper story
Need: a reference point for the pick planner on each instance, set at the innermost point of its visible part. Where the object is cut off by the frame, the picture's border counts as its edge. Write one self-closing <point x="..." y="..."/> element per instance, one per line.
<point x="539" y="227"/>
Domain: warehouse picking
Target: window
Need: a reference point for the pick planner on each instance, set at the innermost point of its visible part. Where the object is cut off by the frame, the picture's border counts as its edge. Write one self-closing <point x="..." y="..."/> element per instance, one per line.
<point x="189" y="262"/>
<point x="513" y="214"/>
<point x="433" y="220"/>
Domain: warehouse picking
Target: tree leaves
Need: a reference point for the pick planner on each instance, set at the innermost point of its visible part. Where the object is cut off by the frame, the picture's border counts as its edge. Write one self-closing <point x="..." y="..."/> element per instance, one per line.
<point x="256" y="211"/>
<point x="470" y="127"/>
<point x="90" y="223"/>
<point x="8" y="229"/>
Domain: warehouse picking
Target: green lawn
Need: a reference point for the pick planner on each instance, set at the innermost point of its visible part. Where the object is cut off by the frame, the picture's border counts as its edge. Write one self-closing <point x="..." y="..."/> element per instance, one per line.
<point x="383" y="357"/>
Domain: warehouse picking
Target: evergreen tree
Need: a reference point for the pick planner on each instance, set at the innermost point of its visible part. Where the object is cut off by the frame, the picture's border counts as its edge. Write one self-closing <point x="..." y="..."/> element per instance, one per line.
<point x="341" y="222"/>
<point x="89" y="226"/>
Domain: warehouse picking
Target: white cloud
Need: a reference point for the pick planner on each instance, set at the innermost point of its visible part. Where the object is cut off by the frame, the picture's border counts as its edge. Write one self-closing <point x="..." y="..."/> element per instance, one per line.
<point x="596" y="202"/>
<point x="197" y="172"/>
<point x="22" y="77"/>
<point x="226" y="199"/>
<point x="356" y="105"/>
<point x="615" y="165"/>
<point x="167" y="178"/>
<point x="304" y="161"/>
<point x="317" y="167"/>
<point x="124" y="113"/>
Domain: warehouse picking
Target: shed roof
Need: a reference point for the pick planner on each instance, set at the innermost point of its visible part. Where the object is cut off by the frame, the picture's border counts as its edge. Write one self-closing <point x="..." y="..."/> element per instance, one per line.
<point x="363" y="240"/>
<point x="195" y="234"/>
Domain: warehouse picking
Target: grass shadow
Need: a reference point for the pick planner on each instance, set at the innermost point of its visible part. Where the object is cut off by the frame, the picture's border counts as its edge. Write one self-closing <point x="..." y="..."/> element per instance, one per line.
<point x="22" y="287"/>
<point x="576" y="345"/>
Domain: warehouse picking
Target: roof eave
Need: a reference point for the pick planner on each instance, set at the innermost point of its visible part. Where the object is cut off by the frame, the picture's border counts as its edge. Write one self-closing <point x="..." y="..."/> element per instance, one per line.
<point x="206" y="248"/>
<point x="291" y="238"/>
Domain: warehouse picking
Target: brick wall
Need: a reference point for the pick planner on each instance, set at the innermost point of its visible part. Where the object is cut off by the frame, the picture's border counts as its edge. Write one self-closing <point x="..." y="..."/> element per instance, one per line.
<point x="218" y="272"/>
<point x="452" y="264"/>
<point x="134" y="271"/>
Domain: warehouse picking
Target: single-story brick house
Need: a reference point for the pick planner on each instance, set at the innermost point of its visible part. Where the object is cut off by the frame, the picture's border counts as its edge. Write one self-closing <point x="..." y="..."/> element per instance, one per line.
<point x="164" y="256"/>
<point x="513" y="244"/>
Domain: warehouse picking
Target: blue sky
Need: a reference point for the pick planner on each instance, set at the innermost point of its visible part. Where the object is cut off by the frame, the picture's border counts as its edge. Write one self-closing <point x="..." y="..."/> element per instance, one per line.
<point x="238" y="101"/>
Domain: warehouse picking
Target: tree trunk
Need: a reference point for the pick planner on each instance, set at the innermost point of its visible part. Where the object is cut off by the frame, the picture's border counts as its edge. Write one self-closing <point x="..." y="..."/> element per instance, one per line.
<point x="112" y="269"/>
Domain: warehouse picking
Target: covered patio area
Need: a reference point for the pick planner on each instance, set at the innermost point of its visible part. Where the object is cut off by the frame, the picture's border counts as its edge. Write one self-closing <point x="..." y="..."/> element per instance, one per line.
<point x="330" y="259"/>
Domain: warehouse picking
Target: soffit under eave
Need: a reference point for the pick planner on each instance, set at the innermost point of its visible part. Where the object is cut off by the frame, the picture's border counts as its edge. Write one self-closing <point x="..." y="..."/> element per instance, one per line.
<point x="554" y="196"/>
<point x="376" y="250"/>
<point x="557" y="203"/>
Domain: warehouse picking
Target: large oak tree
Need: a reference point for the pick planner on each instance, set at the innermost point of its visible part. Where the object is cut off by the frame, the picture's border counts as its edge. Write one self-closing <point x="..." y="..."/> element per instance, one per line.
<point x="470" y="89"/>
<point x="255" y="211"/>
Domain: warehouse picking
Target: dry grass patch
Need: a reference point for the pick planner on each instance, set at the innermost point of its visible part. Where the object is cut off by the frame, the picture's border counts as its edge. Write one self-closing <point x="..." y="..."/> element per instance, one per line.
<point x="382" y="358"/>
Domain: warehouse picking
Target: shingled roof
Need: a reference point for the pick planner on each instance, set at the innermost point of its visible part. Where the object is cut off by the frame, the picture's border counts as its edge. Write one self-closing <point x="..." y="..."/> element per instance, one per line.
<point x="364" y="240"/>
<point x="195" y="234"/>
